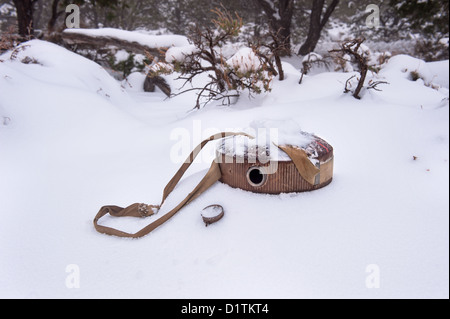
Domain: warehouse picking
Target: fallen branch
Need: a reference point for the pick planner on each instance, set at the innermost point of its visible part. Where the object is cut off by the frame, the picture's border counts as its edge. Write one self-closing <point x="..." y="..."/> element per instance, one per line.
<point x="374" y="84"/>
<point x="71" y="36"/>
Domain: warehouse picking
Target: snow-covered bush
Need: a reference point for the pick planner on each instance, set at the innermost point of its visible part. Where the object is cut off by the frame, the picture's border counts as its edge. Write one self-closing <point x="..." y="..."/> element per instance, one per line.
<point x="357" y="52"/>
<point x="126" y="62"/>
<point x="247" y="70"/>
<point x="310" y="61"/>
<point x="8" y="40"/>
<point x="431" y="50"/>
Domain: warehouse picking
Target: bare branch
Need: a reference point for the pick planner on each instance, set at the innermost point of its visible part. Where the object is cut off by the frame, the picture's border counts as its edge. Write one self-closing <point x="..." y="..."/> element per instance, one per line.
<point x="374" y="84"/>
<point x="346" y="89"/>
<point x="351" y="48"/>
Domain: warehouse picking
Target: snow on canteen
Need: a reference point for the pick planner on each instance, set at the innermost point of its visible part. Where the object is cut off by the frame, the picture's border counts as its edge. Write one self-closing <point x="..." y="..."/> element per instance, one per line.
<point x="73" y="139"/>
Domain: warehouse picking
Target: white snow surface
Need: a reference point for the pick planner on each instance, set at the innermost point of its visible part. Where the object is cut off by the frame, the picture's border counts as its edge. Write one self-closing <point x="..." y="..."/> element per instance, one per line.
<point x="121" y="55"/>
<point x="179" y="53"/>
<point x="312" y="57"/>
<point x="76" y="140"/>
<point x="265" y="136"/>
<point x="244" y="60"/>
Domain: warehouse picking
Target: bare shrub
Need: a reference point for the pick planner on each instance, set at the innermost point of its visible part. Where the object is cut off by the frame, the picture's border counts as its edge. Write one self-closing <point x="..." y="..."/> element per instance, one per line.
<point x="252" y="71"/>
<point x="9" y="40"/>
<point x="358" y="53"/>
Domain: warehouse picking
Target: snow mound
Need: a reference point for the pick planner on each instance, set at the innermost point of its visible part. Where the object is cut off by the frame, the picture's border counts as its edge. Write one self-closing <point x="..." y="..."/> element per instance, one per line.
<point x="415" y="82"/>
<point x="52" y="64"/>
<point x="404" y="64"/>
<point x="440" y="72"/>
<point x="134" y="82"/>
<point x="312" y="57"/>
<point x="244" y="60"/>
<point x="179" y="53"/>
<point x="68" y="149"/>
<point x="281" y="132"/>
<point x="412" y="69"/>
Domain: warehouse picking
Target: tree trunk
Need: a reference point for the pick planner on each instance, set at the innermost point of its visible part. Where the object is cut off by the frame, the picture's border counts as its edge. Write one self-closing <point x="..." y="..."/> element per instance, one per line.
<point x="54" y="17"/>
<point x="280" y="20"/>
<point x="286" y="10"/>
<point x="316" y="24"/>
<point x="279" y="67"/>
<point x="151" y="82"/>
<point x="363" y="72"/>
<point x="24" y="10"/>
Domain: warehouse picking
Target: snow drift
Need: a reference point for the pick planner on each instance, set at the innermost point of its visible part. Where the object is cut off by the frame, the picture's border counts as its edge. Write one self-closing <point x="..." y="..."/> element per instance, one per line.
<point x="76" y="140"/>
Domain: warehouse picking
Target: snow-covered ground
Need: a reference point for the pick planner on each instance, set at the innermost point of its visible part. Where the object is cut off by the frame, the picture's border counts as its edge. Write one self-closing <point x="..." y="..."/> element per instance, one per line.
<point x="73" y="139"/>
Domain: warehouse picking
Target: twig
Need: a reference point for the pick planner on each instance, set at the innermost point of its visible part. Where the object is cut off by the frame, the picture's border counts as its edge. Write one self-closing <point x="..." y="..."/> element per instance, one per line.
<point x="373" y="85"/>
<point x="346" y="89"/>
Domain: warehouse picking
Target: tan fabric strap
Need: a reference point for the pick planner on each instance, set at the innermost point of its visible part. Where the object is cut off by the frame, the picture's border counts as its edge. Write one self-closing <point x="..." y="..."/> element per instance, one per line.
<point x="143" y="210"/>
<point x="304" y="166"/>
